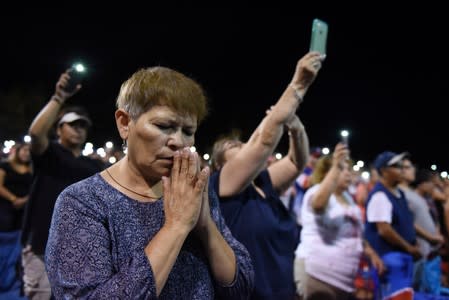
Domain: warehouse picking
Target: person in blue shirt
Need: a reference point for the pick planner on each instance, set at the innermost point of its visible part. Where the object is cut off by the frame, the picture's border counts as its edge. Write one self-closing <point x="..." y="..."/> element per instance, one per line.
<point x="147" y="227"/>
<point x="389" y="224"/>
<point x="250" y="191"/>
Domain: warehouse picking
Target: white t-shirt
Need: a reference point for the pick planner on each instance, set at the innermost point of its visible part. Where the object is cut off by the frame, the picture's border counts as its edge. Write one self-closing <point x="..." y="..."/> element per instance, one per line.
<point x="379" y="208"/>
<point x="331" y="242"/>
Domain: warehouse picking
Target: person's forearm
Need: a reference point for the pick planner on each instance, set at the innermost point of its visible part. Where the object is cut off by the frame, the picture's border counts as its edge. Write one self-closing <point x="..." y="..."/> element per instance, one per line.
<point x="327" y="187"/>
<point x="439" y="195"/>
<point x="162" y="252"/>
<point x="367" y="249"/>
<point x="7" y="194"/>
<point x="272" y="127"/>
<point x="241" y="170"/>
<point x="45" y="119"/>
<point x="423" y="233"/>
<point x="391" y="236"/>
<point x="298" y="151"/>
<point x="220" y="255"/>
<point x="446" y="215"/>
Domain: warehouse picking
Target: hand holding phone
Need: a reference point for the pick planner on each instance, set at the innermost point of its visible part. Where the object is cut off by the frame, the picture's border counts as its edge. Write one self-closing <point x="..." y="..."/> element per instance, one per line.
<point x="76" y="73"/>
<point x="318" y="39"/>
<point x="344" y="137"/>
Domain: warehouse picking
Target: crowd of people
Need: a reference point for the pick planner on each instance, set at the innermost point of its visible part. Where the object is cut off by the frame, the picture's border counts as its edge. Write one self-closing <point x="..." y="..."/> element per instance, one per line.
<point x="161" y="224"/>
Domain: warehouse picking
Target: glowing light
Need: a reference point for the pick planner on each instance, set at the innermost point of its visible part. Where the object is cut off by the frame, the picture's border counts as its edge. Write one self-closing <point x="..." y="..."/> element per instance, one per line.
<point x="101" y="152"/>
<point x="79" y="67"/>
<point x="365" y="175"/>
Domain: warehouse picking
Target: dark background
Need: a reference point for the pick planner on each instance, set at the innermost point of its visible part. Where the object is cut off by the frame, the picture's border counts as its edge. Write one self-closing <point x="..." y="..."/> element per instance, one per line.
<point x="385" y="78"/>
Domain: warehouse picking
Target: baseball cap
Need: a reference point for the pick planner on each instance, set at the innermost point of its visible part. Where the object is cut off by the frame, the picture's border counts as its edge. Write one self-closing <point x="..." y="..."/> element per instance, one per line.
<point x="388" y="158"/>
<point x="72" y="117"/>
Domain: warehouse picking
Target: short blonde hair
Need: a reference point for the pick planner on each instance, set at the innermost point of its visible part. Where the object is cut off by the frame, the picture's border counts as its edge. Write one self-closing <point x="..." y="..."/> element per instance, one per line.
<point x="162" y="86"/>
<point x="322" y="166"/>
<point x="220" y="147"/>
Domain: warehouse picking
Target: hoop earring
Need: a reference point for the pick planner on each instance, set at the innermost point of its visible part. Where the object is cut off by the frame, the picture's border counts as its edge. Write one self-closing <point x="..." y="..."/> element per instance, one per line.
<point x="125" y="146"/>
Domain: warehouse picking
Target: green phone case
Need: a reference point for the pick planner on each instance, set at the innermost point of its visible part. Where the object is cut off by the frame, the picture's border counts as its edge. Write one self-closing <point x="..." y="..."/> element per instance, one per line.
<point x="319" y="36"/>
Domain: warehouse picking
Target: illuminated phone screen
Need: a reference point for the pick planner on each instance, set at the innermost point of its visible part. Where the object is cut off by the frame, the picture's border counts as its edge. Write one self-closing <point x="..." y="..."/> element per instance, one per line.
<point x="319" y="36"/>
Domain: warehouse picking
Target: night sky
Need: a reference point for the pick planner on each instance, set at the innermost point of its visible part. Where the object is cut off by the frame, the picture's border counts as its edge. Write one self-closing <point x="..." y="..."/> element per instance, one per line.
<point x="385" y="77"/>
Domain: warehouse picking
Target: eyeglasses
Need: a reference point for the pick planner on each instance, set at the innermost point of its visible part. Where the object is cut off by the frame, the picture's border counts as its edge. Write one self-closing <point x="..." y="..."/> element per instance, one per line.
<point x="397" y="166"/>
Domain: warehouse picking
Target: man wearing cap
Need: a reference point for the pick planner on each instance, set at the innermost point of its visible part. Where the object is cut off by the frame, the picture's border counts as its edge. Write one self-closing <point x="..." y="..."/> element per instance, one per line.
<point x="389" y="226"/>
<point x="389" y="223"/>
<point x="57" y="164"/>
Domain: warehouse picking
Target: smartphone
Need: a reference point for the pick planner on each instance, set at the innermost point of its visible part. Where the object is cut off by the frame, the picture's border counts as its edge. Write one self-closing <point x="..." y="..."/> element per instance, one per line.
<point x="76" y="77"/>
<point x="319" y="36"/>
<point x="344" y="137"/>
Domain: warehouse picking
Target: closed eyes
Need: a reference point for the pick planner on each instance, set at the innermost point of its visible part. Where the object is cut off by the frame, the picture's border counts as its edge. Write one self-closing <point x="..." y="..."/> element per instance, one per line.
<point x="172" y="128"/>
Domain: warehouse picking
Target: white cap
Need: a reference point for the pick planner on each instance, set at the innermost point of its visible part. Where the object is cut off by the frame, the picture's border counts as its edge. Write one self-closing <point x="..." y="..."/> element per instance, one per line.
<point x="73" y="116"/>
<point x="397" y="158"/>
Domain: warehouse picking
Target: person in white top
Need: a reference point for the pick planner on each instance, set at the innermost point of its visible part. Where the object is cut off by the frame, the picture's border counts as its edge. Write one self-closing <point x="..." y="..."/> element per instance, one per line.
<point x="328" y="256"/>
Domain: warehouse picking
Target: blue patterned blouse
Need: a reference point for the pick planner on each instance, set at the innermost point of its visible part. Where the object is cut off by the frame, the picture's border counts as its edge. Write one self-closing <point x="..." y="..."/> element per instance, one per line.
<point x="96" y="247"/>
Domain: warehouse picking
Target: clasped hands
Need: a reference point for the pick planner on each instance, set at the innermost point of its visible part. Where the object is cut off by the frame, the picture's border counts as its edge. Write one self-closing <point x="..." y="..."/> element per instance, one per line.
<point x="186" y="200"/>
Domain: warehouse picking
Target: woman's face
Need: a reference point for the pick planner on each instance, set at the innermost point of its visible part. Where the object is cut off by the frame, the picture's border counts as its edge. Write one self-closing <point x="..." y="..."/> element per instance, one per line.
<point x="155" y="137"/>
<point x="345" y="178"/>
<point x="73" y="134"/>
<point x="23" y="155"/>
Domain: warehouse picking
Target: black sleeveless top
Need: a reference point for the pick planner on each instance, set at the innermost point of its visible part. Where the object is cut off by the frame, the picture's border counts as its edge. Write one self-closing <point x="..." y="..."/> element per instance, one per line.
<point x="19" y="185"/>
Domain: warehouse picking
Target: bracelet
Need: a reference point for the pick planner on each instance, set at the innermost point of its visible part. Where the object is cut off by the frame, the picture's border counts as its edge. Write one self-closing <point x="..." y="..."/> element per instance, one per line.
<point x="58" y="99"/>
<point x="298" y="95"/>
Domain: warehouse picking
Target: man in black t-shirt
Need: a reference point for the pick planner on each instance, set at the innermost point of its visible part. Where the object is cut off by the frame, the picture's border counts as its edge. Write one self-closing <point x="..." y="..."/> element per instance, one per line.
<point x="57" y="164"/>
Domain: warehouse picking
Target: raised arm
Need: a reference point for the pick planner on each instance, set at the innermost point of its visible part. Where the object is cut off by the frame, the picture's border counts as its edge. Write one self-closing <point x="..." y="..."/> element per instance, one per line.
<point x="45" y="119"/>
<point x="238" y="173"/>
<point x="286" y="170"/>
<point x="330" y="181"/>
